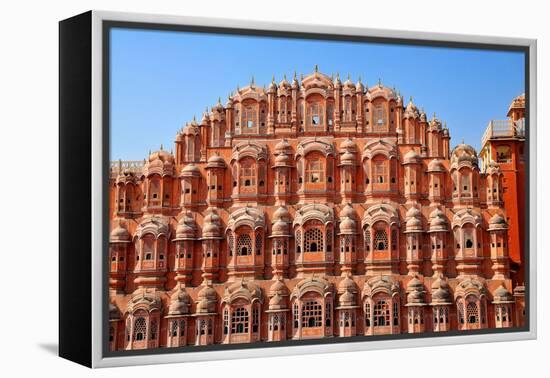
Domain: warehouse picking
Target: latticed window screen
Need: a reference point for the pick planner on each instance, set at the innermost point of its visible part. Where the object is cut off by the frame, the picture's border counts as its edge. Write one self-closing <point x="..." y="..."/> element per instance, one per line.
<point x="329" y="239"/>
<point x="225" y="321"/>
<point x="366" y="236"/>
<point x="381" y="313"/>
<point x="379" y="116"/>
<point x="483" y="311"/>
<point x="249" y="118"/>
<point x="381" y="240"/>
<point x="244" y="245"/>
<point x="230" y="241"/>
<point x="259" y="240"/>
<point x="140" y="328"/>
<point x="313" y="240"/>
<point x="295" y="315"/>
<point x="239" y="320"/>
<point x="328" y="314"/>
<point x="182" y="327"/>
<point x="255" y="319"/>
<point x="153" y="331"/>
<point x="174" y="328"/>
<point x="312" y="314"/>
<point x="441" y="315"/>
<point x="472" y="312"/>
<point x="393" y="239"/>
<point x="395" y="313"/>
<point x="460" y="310"/>
<point x="128" y="329"/>
<point x="298" y="240"/>
<point x="367" y="314"/>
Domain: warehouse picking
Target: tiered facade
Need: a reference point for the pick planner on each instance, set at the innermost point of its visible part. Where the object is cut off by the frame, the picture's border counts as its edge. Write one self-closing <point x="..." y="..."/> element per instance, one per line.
<point x="309" y="209"/>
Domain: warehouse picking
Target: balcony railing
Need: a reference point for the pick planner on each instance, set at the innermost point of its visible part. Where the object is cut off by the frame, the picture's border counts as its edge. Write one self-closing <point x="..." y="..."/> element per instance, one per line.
<point x="134" y="166"/>
<point x="504" y="129"/>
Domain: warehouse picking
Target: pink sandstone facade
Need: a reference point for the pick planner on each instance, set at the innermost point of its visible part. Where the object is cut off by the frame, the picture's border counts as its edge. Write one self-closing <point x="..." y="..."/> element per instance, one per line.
<point x="309" y="209"/>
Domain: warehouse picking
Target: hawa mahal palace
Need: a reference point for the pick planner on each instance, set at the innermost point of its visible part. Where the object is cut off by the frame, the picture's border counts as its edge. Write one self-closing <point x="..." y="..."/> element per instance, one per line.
<point x="312" y="209"/>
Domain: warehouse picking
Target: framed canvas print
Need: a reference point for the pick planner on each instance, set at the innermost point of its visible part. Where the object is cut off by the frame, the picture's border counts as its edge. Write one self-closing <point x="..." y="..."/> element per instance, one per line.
<point x="232" y="189"/>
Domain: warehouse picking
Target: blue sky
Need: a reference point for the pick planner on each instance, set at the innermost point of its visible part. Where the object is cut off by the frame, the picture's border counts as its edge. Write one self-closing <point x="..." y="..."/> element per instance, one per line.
<point x="161" y="79"/>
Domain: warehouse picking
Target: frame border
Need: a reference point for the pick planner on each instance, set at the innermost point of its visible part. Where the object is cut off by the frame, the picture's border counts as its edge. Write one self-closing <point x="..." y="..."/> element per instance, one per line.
<point x="100" y="168"/>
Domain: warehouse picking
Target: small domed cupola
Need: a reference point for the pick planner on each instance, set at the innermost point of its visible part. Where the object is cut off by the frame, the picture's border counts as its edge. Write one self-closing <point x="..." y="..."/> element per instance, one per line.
<point x="441" y="294"/>
<point x="180" y="303"/>
<point x="119" y="235"/>
<point x="497" y="222"/>
<point x="436" y="165"/>
<point x="415" y="292"/>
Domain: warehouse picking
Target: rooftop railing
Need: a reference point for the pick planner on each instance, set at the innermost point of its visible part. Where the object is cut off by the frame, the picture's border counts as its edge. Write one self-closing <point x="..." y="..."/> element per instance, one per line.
<point x="504" y="129"/>
<point x="134" y="166"/>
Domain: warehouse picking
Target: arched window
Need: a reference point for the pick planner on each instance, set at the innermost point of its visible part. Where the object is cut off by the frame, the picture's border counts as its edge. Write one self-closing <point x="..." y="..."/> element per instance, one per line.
<point x="249" y="119"/>
<point x="247" y="173"/>
<point x="381" y="171"/>
<point x="381" y="240"/>
<point x="239" y="320"/>
<point x="380" y="120"/>
<point x="312" y="314"/>
<point x="140" y="329"/>
<point x="472" y="310"/>
<point x="315" y="115"/>
<point x="315" y="171"/>
<point x="313" y="240"/>
<point x="244" y="245"/>
<point x="382" y="313"/>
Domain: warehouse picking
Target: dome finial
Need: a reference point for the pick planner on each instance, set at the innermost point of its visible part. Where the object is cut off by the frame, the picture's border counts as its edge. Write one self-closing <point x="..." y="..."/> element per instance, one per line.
<point x="348" y="76"/>
<point x="316" y="68"/>
<point x="273" y="79"/>
<point x="252" y="81"/>
<point x="161" y="147"/>
<point x="219" y="100"/>
<point x="379" y="82"/>
<point x="411" y="98"/>
<point x="294" y="75"/>
<point x="462" y="140"/>
<point x="284" y="77"/>
<point x="359" y="80"/>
